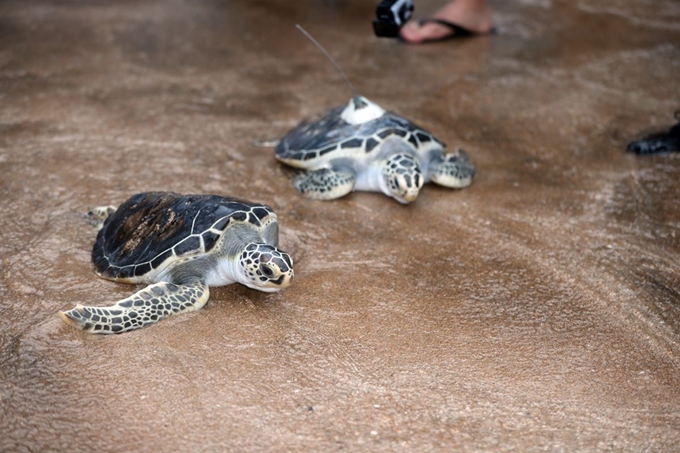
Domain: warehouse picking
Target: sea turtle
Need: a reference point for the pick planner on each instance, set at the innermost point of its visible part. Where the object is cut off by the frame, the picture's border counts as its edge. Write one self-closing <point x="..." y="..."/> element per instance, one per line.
<point x="180" y="245"/>
<point x="360" y="146"/>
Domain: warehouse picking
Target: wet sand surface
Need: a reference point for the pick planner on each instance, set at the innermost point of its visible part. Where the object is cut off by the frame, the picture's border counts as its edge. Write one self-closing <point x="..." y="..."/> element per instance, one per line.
<point x="537" y="310"/>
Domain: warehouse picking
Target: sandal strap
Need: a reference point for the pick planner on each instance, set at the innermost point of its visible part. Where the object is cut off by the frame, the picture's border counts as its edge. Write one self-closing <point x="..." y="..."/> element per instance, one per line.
<point x="457" y="29"/>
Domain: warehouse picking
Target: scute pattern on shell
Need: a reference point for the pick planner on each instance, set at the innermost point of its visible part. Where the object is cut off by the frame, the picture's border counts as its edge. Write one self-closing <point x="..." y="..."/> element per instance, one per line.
<point x="313" y="139"/>
<point x="150" y="228"/>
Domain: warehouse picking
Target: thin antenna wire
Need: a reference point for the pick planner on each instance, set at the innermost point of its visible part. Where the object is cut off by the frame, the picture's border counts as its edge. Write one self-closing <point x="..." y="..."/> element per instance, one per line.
<point x="316" y="43"/>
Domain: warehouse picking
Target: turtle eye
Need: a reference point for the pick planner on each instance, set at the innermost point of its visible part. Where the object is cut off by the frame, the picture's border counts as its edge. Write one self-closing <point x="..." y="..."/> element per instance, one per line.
<point x="266" y="270"/>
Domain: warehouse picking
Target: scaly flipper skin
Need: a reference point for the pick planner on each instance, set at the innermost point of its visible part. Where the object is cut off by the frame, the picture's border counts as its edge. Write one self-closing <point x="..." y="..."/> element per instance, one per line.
<point x="454" y="170"/>
<point x="145" y="307"/>
<point x="325" y="184"/>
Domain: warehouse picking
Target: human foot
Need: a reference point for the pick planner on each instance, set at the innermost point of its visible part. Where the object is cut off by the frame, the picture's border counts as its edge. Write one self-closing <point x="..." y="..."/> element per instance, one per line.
<point x="467" y="15"/>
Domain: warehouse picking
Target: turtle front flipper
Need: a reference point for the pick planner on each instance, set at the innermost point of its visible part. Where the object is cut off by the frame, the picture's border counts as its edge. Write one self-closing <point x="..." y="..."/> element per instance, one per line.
<point x="453" y="170"/>
<point x="145" y="307"/>
<point x="326" y="183"/>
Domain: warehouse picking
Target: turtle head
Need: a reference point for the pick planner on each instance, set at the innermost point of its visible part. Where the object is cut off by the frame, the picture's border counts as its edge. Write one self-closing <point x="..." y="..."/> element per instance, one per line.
<point x="265" y="268"/>
<point x="402" y="177"/>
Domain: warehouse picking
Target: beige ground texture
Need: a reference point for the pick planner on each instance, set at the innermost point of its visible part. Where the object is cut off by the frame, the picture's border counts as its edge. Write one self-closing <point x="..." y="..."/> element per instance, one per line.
<point x="537" y="310"/>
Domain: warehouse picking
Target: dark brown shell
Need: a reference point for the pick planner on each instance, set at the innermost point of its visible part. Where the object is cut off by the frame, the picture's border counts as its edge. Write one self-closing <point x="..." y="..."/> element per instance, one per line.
<point x="150" y="228"/>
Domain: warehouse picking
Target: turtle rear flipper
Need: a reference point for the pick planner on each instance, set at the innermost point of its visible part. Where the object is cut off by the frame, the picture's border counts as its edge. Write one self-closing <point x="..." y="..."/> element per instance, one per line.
<point x="453" y="170"/>
<point x="326" y="183"/>
<point x="266" y="143"/>
<point x="96" y="216"/>
<point x="145" y="307"/>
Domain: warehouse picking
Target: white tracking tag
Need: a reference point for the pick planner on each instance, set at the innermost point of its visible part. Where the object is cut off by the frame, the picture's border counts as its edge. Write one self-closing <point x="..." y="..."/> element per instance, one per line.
<point x="360" y="110"/>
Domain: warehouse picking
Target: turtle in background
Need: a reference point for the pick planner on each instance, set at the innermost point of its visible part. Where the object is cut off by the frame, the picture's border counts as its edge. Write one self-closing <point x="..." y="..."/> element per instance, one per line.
<point x="660" y="142"/>
<point x="361" y="146"/>
<point x="180" y="245"/>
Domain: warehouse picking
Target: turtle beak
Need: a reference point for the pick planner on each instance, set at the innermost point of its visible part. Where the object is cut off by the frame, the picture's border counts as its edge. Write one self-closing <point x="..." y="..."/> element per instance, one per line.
<point x="284" y="280"/>
<point x="408" y="196"/>
<point x="411" y="195"/>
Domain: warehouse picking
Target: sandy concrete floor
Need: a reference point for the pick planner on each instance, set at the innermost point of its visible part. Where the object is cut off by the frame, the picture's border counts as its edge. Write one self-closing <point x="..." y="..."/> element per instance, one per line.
<point x="538" y="310"/>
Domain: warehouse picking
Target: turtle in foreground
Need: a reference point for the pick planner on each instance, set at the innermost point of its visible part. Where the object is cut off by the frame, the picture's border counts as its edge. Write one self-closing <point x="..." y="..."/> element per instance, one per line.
<point x="361" y="146"/>
<point x="180" y="245"/>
